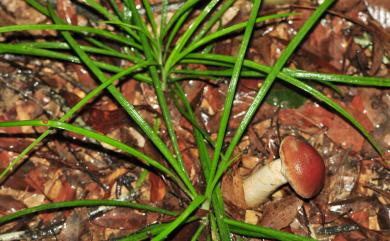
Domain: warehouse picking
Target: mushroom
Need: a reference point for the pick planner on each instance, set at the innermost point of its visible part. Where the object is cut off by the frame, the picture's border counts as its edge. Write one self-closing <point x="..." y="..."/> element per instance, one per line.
<point x="299" y="164"/>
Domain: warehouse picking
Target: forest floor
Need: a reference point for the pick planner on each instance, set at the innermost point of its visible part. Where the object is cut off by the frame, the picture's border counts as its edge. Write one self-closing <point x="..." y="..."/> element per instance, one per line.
<point x="354" y="203"/>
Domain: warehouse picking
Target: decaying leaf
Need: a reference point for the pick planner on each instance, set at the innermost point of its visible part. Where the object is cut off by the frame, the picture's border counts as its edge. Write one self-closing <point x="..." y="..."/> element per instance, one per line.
<point x="280" y="213"/>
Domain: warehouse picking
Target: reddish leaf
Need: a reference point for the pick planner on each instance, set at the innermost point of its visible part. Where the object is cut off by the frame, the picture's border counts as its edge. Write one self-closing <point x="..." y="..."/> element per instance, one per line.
<point x="35" y="178"/>
<point x="130" y="90"/>
<point x="295" y="118"/>
<point x="105" y="121"/>
<point x="83" y="76"/>
<point x="360" y="217"/>
<point x="338" y="130"/>
<point x="157" y="188"/>
<point x="5" y="158"/>
<point x="194" y="89"/>
<point x="70" y="97"/>
<point x="340" y="237"/>
<point x="122" y="218"/>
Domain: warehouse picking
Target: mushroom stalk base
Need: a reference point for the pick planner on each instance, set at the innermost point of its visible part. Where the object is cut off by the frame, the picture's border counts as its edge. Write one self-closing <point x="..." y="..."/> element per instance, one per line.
<point x="262" y="182"/>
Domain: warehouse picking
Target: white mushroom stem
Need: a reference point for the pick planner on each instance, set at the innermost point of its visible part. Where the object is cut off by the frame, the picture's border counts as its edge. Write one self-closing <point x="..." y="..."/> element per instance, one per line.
<point x="262" y="182"/>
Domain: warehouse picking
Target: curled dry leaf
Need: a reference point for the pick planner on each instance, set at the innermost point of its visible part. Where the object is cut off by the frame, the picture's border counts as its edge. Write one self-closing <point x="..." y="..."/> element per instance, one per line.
<point x="280" y="213"/>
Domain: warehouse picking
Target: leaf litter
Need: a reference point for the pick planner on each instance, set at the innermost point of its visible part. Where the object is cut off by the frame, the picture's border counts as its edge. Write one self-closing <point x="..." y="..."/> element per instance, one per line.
<point x="353" y="205"/>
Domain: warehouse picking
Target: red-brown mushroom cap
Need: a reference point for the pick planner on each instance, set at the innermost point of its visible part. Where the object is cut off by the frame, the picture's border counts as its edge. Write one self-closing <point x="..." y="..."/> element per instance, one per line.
<point x="303" y="166"/>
